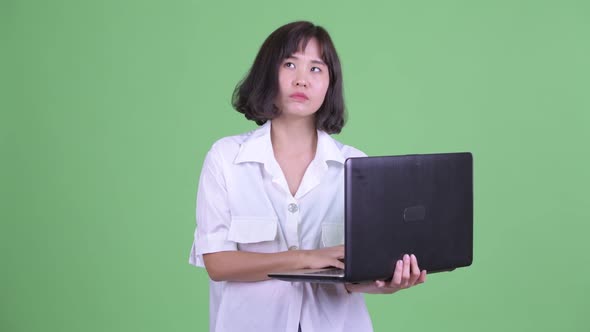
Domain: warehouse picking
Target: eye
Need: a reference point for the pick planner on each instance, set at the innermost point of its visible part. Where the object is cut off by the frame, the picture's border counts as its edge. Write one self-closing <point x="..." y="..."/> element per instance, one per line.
<point x="316" y="69"/>
<point x="289" y="65"/>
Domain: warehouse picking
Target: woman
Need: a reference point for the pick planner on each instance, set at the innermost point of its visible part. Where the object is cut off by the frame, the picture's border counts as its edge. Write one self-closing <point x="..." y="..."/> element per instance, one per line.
<point x="273" y="199"/>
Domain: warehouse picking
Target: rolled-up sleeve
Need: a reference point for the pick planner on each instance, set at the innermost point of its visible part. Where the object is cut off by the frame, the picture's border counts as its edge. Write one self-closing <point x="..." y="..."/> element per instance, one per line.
<point x="212" y="211"/>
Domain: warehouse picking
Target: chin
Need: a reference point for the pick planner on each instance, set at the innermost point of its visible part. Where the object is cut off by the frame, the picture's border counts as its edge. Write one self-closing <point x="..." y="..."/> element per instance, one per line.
<point x="299" y="114"/>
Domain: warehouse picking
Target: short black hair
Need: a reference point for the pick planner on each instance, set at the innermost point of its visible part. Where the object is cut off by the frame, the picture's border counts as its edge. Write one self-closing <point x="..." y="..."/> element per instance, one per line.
<point x="254" y="95"/>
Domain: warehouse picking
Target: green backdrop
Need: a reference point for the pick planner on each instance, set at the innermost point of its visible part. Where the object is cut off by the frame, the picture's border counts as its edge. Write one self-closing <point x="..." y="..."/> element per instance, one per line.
<point x="108" y="109"/>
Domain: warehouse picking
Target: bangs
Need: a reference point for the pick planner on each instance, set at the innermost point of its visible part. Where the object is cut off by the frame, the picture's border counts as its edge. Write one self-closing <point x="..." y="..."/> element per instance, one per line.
<point x="297" y="41"/>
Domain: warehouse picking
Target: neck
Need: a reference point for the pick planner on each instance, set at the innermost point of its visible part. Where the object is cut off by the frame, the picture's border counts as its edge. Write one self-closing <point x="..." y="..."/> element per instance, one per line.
<point x="295" y="136"/>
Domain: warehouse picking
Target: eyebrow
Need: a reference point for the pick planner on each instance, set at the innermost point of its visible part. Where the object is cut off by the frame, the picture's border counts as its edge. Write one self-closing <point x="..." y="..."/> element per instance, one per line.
<point x="319" y="62"/>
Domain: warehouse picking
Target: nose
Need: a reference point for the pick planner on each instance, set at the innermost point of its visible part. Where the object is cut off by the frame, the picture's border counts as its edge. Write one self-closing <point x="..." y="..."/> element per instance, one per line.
<point x="301" y="83"/>
<point x="300" y="79"/>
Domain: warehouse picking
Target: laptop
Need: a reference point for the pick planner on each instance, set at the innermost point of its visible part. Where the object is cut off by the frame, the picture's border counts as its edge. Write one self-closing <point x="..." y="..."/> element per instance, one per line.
<point x="414" y="204"/>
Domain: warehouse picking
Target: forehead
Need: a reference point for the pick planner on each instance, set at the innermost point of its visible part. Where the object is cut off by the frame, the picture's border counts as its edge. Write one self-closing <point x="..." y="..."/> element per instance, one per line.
<point x="311" y="50"/>
<point x="306" y="46"/>
<point x="310" y="46"/>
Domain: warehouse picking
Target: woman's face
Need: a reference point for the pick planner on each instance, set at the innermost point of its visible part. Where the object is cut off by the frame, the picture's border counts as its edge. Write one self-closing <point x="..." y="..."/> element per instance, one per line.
<point x="303" y="82"/>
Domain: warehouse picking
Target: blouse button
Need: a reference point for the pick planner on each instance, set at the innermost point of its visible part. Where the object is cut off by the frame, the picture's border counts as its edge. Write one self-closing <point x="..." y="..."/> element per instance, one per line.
<point x="293" y="208"/>
<point x="293" y="248"/>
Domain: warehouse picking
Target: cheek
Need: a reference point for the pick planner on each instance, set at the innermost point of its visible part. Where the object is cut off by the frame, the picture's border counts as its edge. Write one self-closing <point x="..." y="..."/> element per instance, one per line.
<point x="325" y="84"/>
<point x="324" y="89"/>
<point x="286" y="76"/>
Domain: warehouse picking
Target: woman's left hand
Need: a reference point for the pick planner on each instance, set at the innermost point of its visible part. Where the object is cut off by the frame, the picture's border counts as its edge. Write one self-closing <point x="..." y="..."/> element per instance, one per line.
<point x="406" y="274"/>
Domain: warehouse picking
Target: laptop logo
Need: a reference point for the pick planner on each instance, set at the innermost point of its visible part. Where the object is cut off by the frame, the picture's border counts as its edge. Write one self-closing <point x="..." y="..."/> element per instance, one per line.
<point x="414" y="213"/>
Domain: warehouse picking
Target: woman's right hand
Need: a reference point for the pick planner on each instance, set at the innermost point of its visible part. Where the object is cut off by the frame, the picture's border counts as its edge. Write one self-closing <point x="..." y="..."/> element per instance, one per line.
<point x="322" y="258"/>
<point x="253" y="266"/>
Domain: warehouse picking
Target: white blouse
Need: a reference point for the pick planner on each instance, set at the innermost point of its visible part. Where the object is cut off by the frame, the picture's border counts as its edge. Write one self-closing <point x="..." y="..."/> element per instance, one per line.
<point x="244" y="203"/>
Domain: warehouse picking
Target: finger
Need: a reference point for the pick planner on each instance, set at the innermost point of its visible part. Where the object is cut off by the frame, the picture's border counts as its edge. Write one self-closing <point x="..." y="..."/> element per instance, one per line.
<point x="406" y="272"/>
<point x="379" y="283"/>
<point x="396" y="281"/>
<point x="338" y="264"/>
<point x="422" y="278"/>
<point x="338" y="251"/>
<point x="339" y="247"/>
<point x="414" y="270"/>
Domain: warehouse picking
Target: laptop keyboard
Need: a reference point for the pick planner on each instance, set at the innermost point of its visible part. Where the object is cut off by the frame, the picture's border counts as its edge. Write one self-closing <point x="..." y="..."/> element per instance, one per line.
<point x="334" y="271"/>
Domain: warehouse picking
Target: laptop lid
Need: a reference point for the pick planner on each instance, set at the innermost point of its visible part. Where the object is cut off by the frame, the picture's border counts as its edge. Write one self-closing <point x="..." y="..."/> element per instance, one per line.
<point x="420" y="204"/>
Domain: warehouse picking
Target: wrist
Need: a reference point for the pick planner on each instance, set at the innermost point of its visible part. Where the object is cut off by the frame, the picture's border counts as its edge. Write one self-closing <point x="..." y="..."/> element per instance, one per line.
<point x="303" y="256"/>
<point x="298" y="259"/>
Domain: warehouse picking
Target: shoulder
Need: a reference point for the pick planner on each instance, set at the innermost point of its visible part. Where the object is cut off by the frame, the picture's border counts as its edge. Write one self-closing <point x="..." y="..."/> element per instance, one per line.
<point x="230" y="145"/>
<point x="347" y="150"/>
<point x="225" y="149"/>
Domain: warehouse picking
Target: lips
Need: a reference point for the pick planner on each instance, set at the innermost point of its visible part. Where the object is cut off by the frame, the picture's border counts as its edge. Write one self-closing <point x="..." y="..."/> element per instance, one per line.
<point x="299" y="96"/>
